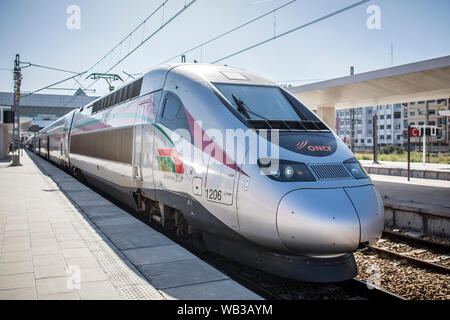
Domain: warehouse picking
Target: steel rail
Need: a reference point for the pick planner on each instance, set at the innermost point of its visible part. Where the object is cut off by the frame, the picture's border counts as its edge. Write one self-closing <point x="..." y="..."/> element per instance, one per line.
<point x="417" y="241"/>
<point x="410" y="260"/>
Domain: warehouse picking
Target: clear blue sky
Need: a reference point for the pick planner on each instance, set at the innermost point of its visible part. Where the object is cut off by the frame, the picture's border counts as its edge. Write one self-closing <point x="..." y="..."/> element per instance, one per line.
<point x="418" y="29"/>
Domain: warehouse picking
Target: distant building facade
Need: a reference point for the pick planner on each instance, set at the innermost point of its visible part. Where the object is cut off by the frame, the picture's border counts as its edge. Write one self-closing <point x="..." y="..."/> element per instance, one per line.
<point x="392" y="123"/>
<point x="48" y="104"/>
<point x="37" y="111"/>
<point x="415" y="114"/>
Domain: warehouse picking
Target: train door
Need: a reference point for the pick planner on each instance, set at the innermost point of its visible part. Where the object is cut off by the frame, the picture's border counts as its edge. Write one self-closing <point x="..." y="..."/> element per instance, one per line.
<point x="137" y="166"/>
<point x="170" y="163"/>
<point x="147" y="155"/>
<point x="66" y="142"/>
<point x="144" y="145"/>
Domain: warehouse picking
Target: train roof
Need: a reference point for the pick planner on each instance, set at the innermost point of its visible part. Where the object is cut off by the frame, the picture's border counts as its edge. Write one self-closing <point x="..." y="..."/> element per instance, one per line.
<point x="214" y="73"/>
<point x="154" y="79"/>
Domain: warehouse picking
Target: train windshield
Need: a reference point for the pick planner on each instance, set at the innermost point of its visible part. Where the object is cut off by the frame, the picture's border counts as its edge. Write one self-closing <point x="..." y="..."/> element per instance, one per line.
<point x="262" y="102"/>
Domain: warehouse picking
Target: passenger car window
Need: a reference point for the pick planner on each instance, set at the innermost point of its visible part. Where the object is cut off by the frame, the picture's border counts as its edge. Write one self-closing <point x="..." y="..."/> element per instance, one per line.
<point x="171" y="107"/>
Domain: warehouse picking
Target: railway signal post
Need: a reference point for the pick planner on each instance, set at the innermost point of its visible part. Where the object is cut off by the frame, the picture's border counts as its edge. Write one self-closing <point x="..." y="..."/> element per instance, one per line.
<point x="426" y="130"/>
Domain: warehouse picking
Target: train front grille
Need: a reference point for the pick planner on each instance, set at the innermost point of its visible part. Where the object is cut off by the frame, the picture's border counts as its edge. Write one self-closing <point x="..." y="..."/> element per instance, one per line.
<point x="330" y="171"/>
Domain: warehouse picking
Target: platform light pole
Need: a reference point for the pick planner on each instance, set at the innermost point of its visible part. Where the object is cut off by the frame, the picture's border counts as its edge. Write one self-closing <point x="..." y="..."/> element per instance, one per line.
<point x="16" y="104"/>
<point x="375" y="138"/>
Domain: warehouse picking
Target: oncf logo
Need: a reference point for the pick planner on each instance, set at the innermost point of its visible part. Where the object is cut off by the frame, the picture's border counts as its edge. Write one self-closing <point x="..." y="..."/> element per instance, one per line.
<point x="303" y="144"/>
<point x="319" y="148"/>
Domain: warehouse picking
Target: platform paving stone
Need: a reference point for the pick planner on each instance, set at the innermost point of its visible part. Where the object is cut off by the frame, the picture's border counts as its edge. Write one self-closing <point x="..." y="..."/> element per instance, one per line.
<point x="134" y="236"/>
<point x="47" y="249"/>
<point x="61" y="296"/>
<point x="92" y="275"/>
<point x="50" y="271"/>
<point x="16" y="268"/>
<point x="76" y="253"/>
<point x="17" y="281"/>
<point x="111" y="220"/>
<point x="18" y="256"/>
<point x="216" y="290"/>
<point x="102" y="290"/>
<point x="41" y="260"/>
<point x="101" y="211"/>
<point x="60" y="240"/>
<point x="158" y="254"/>
<point x="55" y="285"/>
<point x="83" y="263"/>
<point x="180" y="273"/>
<point x="19" y="294"/>
<point x="69" y="244"/>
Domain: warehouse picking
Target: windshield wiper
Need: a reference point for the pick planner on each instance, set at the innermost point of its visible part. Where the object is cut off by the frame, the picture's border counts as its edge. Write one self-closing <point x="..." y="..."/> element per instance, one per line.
<point x="244" y="109"/>
<point x="240" y="106"/>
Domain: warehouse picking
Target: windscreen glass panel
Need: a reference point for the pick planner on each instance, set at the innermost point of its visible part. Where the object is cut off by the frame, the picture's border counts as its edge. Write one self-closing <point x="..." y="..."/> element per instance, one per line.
<point x="259" y="102"/>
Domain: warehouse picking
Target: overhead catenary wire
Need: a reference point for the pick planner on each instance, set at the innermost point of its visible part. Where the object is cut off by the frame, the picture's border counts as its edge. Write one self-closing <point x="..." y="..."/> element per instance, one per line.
<point x="120" y="44"/>
<point x="291" y="30"/>
<point x="163" y="25"/>
<point x="29" y="64"/>
<point x="54" y="84"/>
<point x="129" y="35"/>
<point x="229" y="31"/>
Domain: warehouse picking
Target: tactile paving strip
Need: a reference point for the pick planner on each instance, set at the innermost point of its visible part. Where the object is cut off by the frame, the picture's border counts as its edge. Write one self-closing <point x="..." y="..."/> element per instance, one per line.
<point x="127" y="280"/>
<point x="124" y="276"/>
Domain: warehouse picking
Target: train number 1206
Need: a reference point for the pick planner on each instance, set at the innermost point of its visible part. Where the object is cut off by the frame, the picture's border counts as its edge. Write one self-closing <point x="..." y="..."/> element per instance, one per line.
<point x="214" y="194"/>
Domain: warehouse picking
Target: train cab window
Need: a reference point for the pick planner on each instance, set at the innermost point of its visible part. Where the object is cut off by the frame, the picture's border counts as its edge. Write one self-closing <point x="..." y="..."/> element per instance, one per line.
<point x="257" y="102"/>
<point x="171" y="107"/>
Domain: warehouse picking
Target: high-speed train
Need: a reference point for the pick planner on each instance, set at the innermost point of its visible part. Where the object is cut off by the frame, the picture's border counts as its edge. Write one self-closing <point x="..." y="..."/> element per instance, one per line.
<point x="231" y="158"/>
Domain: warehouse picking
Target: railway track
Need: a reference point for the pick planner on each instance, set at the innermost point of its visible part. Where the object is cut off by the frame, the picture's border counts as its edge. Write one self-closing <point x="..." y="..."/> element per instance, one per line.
<point x="438" y="246"/>
<point x="418" y="246"/>
<point x="410" y="260"/>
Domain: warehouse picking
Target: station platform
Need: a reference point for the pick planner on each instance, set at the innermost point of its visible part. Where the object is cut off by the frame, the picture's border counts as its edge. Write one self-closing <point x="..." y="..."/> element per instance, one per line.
<point x="420" y="204"/>
<point x="61" y="240"/>
<point x="418" y="170"/>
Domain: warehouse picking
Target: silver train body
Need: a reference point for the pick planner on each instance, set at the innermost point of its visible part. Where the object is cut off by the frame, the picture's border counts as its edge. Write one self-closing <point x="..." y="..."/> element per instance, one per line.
<point x="302" y="220"/>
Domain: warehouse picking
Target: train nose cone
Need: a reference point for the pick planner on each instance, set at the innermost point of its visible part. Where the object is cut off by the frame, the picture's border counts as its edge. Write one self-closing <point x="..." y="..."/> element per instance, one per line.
<point x="318" y="221"/>
<point x="369" y="206"/>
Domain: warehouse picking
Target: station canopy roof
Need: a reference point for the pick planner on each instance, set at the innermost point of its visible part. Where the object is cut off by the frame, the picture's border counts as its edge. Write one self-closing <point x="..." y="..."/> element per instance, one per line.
<point x="77" y="100"/>
<point x="424" y="80"/>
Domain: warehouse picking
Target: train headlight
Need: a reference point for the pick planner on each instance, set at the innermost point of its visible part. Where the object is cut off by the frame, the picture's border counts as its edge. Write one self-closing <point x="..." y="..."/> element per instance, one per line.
<point x="285" y="170"/>
<point x="355" y="168"/>
<point x="289" y="172"/>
